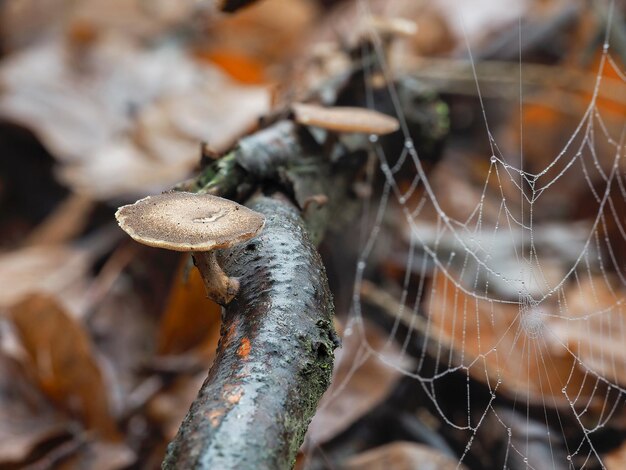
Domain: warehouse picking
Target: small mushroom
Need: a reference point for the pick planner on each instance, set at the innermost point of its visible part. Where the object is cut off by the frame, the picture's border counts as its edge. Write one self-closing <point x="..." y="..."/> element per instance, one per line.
<point x="199" y="223"/>
<point x="392" y="26"/>
<point x="345" y="119"/>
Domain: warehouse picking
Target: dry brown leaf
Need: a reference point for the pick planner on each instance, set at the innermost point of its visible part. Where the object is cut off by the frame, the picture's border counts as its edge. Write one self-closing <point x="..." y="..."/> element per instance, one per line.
<point x="62" y="359"/>
<point x="458" y="189"/>
<point x="433" y="33"/>
<point x="169" y="407"/>
<point x="117" y="117"/>
<point x="475" y="20"/>
<point x="594" y="327"/>
<point x="64" y="223"/>
<point x="132" y="17"/>
<point x="501" y="341"/>
<point x="26" y="21"/>
<point x="98" y="455"/>
<point x="402" y="456"/>
<point x="155" y="135"/>
<point x="42" y="90"/>
<point x="360" y="381"/>
<point x="437" y="27"/>
<point x="217" y="111"/>
<point x="27" y="418"/>
<point x="123" y="320"/>
<point x="121" y="168"/>
<point x="56" y="270"/>
<point x="260" y="30"/>
<point x="616" y="460"/>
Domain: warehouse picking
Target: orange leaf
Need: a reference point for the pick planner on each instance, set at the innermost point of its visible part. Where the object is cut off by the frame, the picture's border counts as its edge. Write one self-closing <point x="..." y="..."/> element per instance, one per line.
<point x="190" y="320"/>
<point x="243" y="68"/>
<point x="63" y="361"/>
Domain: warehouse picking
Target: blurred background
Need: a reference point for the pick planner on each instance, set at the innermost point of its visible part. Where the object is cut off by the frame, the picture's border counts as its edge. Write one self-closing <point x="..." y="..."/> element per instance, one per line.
<point x="104" y="343"/>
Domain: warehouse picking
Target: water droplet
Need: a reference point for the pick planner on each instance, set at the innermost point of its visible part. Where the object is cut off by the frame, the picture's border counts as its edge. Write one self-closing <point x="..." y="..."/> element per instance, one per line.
<point x="493" y="159"/>
<point x="408" y="143"/>
<point x="402" y="200"/>
<point x="569" y="457"/>
<point x="211" y="217"/>
<point x="361" y="265"/>
<point x="373" y="138"/>
<point x="525" y="459"/>
<point x="508" y="431"/>
<point x="563" y="390"/>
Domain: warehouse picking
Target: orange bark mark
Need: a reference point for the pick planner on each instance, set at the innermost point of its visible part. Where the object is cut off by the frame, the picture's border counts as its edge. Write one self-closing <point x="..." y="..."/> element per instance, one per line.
<point x="215" y="416"/>
<point x="229" y="334"/>
<point x="244" y="350"/>
<point x="233" y="395"/>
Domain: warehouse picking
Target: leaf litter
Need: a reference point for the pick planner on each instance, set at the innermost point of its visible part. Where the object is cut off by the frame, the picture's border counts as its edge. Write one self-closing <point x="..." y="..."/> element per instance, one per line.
<point x="95" y="372"/>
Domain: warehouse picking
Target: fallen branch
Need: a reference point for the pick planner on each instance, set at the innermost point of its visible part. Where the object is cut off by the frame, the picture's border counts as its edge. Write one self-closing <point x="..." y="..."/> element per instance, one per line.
<point x="275" y="355"/>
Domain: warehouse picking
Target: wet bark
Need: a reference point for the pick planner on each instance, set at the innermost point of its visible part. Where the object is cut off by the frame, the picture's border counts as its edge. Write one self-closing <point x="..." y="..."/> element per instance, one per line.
<point x="275" y="355"/>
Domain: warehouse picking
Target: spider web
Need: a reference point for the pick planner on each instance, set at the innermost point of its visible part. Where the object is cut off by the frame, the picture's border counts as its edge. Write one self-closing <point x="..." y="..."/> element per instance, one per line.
<point x="527" y="308"/>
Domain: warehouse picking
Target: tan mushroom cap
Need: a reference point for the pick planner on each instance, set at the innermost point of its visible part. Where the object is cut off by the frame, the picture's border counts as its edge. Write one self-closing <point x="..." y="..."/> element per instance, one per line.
<point x="182" y="221"/>
<point x="393" y="25"/>
<point x="345" y="119"/>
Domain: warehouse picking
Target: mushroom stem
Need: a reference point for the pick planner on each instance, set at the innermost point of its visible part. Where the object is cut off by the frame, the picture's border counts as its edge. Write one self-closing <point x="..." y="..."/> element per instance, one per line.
<point x="219" y="287"/>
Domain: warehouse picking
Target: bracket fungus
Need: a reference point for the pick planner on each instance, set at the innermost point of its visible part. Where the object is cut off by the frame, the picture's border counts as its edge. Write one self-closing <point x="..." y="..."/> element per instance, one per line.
<point x="198" y="223"/>
<point x="345" y="119"/>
